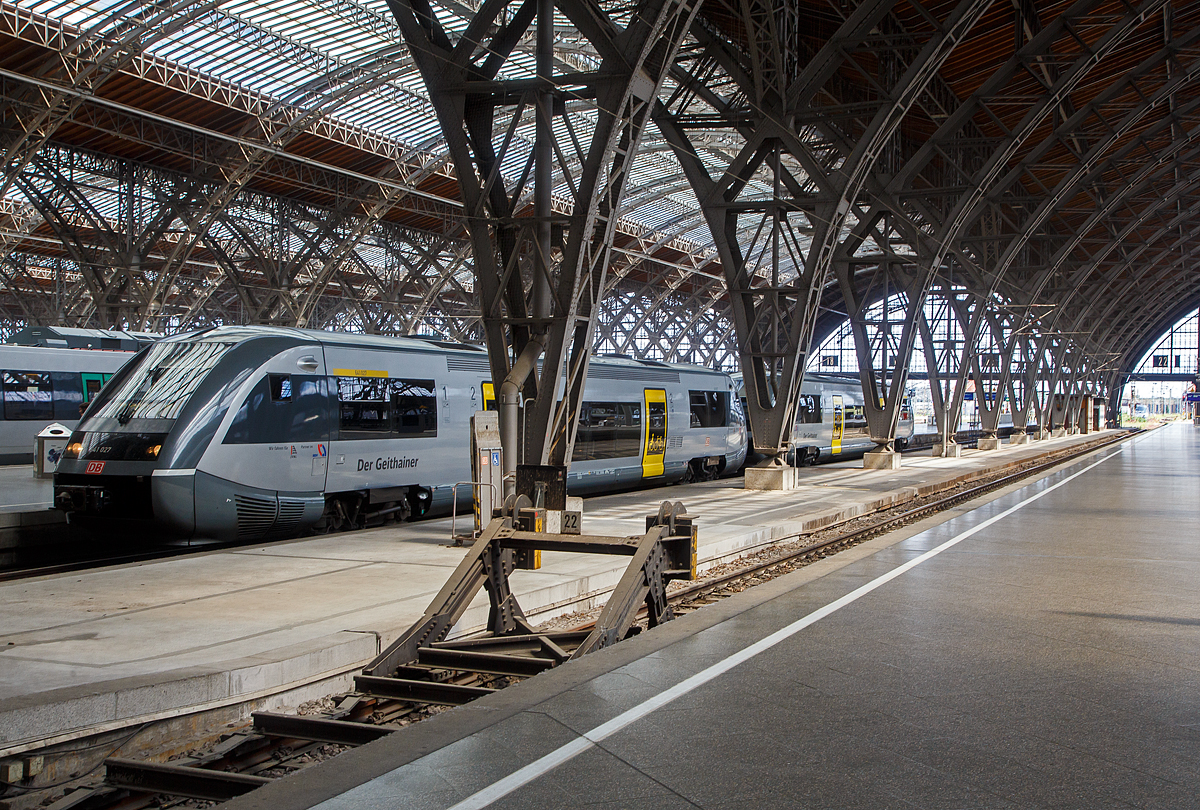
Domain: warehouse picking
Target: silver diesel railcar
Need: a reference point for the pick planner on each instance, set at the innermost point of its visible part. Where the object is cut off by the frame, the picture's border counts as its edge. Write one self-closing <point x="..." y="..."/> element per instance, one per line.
<point x="247" y="432"/>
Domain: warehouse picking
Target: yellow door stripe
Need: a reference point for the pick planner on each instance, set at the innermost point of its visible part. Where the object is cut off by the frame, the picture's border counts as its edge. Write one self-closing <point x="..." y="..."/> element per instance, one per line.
<point x="655" y="448"/>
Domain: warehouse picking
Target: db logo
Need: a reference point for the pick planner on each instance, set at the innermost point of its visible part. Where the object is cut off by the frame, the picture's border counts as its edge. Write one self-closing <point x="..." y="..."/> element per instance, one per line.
<point x="94" y="467"/>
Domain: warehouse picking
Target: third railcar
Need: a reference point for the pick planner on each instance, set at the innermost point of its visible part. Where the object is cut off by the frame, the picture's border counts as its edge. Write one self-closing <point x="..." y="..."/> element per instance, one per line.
<point x="246" y="432"/>
<point x="831" y="422"/>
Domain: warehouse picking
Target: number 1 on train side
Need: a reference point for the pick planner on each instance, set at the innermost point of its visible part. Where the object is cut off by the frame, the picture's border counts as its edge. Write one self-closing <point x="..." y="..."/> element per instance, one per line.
<point x="654" y="450"/>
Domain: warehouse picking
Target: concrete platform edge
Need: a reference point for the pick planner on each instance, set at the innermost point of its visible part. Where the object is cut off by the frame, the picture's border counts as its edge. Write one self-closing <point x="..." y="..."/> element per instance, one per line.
<point x="125" y="702"/>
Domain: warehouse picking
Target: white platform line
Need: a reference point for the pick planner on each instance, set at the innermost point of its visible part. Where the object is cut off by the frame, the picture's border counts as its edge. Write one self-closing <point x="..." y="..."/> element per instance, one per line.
<point x="545" y="764"/>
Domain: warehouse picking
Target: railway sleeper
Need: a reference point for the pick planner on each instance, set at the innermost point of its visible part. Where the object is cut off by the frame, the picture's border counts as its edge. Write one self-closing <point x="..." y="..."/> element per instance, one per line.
<point x="444" y="694"/>
<point x="522" y="666"/>
<point x="180" y="780"/>
<point x="319" y="729"/>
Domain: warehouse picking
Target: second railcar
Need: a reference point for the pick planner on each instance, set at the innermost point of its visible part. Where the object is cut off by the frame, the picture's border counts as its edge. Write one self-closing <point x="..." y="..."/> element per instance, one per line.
<point x="248" y="432"/>
<point x="39" y="386"/>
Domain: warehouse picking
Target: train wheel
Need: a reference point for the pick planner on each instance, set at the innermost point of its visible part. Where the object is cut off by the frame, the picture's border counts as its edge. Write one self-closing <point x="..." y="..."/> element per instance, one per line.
<point x="332" y="519"/>
<point x="689" y="475"/>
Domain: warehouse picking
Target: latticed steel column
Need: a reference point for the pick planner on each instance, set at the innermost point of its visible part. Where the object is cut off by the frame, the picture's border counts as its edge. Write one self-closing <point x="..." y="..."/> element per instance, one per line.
<point x="948" y="370"/>
<point x="884" y="385"/>
<point x="777" y="208"/>
<point x="540" y="262"/>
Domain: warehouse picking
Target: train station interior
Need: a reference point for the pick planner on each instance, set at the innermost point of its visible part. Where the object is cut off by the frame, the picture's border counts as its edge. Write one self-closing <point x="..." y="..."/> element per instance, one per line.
<point x="427" y="405"/>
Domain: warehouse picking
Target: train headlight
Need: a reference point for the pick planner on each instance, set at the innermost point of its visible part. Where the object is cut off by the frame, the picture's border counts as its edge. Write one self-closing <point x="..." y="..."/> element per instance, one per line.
<point x="73" y="450"/>
<point x="152" y="451"/>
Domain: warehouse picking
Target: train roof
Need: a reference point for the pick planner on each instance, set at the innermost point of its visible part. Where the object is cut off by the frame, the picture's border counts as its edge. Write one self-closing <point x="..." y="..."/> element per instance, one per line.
<point x="22" y="350"/>
<point x="423" y="343"/>
<point x="70" y="337"/>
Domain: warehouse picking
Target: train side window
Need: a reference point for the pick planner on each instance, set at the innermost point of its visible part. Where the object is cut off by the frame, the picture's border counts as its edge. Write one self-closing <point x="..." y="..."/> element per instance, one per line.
<point x="808" y="409"/>
<point x="414" y="403"/>
<point x="709" y="409"/>
<point x="67" y="395"/>
<point x="608" y="430"/>
<point x="281" y="387"/>
<point x="381" y="407"/>
<point x="28" y="395"/>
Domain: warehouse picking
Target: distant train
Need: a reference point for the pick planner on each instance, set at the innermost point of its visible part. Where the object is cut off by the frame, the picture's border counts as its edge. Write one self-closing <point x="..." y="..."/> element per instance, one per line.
<point x="41" y="385"/>
<point x="249" y="432"/>
<point x="831" y="423"/>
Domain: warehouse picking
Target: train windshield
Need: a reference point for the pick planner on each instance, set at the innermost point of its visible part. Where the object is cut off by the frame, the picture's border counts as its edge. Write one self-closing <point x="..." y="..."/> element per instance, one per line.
<point x="160" y="386"/>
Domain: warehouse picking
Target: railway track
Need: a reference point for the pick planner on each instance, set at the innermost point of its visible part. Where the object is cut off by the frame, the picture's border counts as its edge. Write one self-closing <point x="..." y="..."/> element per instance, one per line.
<point x="452" y="673"/>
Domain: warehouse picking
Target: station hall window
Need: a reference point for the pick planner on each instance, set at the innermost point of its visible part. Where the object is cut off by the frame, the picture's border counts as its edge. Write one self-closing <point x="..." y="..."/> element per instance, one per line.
<point x="386" y="407"/>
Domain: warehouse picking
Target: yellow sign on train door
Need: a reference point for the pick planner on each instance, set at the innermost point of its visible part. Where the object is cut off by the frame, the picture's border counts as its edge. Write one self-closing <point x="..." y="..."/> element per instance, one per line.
<point x="839" y="424"/>
<point x="655" y="448"/>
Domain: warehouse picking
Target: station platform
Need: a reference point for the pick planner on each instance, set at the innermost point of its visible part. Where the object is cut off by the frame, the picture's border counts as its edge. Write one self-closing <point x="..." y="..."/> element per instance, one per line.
<point x="27" y="513"/>
<point x="1038" y="650"/>
<point x="269" y="626"/>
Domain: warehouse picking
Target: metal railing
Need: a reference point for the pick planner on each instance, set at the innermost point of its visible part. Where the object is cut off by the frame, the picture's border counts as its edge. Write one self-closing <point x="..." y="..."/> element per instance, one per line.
<point x="458" y="540"/>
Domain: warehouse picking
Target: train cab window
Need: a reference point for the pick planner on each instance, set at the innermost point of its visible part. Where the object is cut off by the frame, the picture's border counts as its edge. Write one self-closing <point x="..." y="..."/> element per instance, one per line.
<point x="709" y="409"/>
<point x="608" y="430"/>
<point x="383" y="407"/>
<point x="281" y="387"/>
<point x="28" y="395"/>
<point x="737" y="412"/>
<point x="808" y="409"/>
<point x="304" y="416"/>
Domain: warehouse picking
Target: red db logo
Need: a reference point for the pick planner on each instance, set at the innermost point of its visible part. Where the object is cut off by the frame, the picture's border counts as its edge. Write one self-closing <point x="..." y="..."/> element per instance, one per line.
<point x="94" y="467"/>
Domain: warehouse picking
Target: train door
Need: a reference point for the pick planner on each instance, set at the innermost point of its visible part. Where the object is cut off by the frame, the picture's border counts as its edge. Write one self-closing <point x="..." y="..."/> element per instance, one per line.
<point x="92" y="383"/>
<point x="839" y="424"/>
<point x="654" y="450"/>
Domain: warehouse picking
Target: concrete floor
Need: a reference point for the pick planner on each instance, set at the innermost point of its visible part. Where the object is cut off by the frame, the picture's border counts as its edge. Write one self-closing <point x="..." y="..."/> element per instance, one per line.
<point x="1039" y="651"/>
<point x="21" y="492"/>
<point x="113" y="647"/>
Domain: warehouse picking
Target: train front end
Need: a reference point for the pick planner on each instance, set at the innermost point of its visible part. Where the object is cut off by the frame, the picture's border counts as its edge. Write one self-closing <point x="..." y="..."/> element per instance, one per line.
<point x="130" y="463"/>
